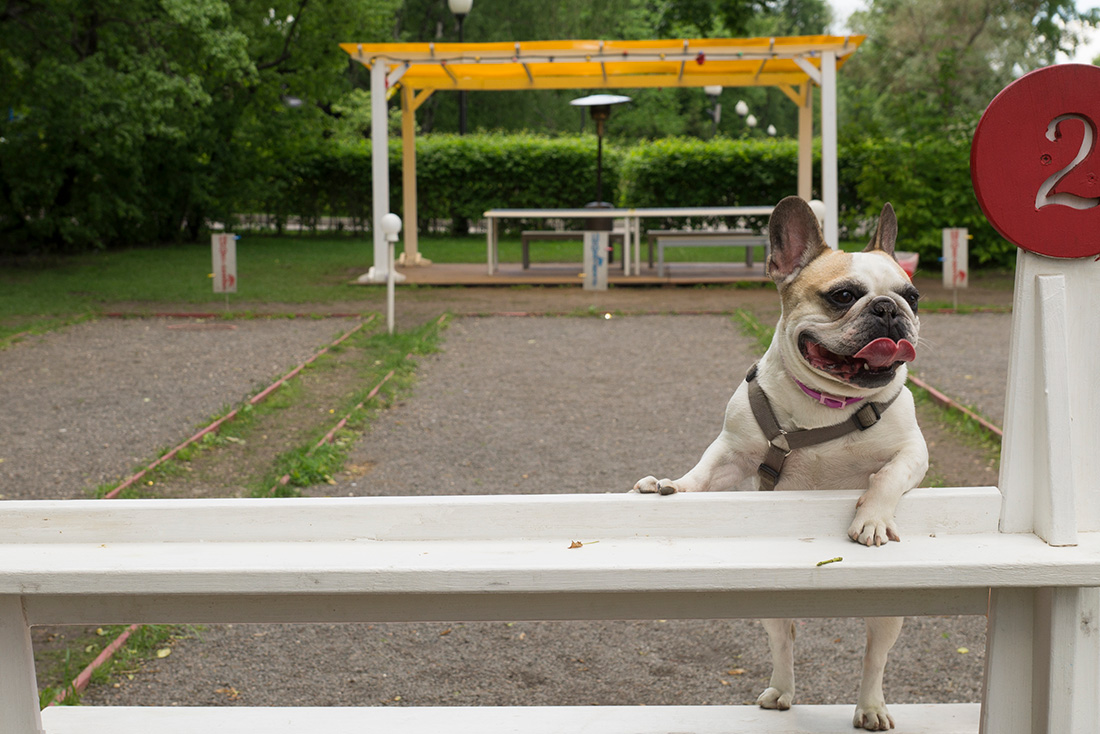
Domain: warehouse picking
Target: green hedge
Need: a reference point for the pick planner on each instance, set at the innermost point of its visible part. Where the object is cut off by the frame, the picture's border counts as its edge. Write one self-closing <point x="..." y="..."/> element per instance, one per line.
<point x="459" y="177"/>
<point x="928" y="184"/>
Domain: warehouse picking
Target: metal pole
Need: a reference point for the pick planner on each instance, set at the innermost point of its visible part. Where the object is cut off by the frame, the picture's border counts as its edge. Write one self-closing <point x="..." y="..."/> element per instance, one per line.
<point x="599" y="162"/>
<point x="462" y="93"/>
<point x="390" y="287"/>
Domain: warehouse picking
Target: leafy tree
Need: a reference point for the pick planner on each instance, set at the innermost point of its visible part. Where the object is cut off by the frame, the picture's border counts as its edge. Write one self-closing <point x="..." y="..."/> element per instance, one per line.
<point x="652" y="113"/>
<point x="131" y="120"/>
<point x="932" y="66"/>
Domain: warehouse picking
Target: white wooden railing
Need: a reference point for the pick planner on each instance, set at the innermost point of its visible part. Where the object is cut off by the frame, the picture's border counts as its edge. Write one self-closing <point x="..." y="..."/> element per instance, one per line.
<point x="1028" y="554"/>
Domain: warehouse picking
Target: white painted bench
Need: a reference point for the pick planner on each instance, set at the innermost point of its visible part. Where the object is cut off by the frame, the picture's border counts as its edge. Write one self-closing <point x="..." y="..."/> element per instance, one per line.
<point x="702" y="238"/>
<point x="720" y="555"/>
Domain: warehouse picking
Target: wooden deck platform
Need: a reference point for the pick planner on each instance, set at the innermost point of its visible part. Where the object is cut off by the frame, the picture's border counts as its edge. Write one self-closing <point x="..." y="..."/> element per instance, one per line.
<point x="677" y="273"/>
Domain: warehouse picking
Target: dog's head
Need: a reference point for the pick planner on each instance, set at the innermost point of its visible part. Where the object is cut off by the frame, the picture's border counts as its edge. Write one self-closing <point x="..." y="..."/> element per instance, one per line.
<point x="849" y="319"/>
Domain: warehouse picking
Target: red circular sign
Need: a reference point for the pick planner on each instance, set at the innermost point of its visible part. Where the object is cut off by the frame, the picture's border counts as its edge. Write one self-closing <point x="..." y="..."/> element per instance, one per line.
<point x="1035" y="161"/>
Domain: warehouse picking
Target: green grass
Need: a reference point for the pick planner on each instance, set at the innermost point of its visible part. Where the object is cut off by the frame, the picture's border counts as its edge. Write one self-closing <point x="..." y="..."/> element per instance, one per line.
<point x="308" y="464"/>
<point x="58" y="668"/>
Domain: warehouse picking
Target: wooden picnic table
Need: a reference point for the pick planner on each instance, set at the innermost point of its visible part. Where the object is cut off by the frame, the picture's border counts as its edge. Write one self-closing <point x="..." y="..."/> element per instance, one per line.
<point x="632" y="218"/>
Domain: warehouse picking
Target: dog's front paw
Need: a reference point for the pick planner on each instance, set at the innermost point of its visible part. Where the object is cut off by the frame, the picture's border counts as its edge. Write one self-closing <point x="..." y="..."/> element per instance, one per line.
<point x="773" y="698"/>
<point x="651" y="485"/>
<point x="873" y="717"/>
<point x="872" y="525"/>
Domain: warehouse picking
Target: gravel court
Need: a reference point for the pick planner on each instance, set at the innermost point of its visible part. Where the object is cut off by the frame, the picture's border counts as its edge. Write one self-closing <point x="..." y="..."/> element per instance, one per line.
<point x="966" y="357"/>
<point x="537" y="405"/>
<point x="84" y="405"/>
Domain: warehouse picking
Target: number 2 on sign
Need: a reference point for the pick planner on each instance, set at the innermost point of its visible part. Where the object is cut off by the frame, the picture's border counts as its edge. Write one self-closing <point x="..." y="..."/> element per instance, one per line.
<point x="1044" y="197"/>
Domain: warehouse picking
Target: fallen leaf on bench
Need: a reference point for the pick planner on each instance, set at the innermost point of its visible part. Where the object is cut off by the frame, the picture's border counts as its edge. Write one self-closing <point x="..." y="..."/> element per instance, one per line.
<point x="838" y="559"/>
<point x="575" y="544"/>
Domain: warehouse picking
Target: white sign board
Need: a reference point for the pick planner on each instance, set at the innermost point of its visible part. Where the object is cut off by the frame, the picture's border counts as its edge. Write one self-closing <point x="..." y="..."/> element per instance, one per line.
<point x="595" y="261"/>
<point x="225" y="262"/>
<point x="956" y="269"/>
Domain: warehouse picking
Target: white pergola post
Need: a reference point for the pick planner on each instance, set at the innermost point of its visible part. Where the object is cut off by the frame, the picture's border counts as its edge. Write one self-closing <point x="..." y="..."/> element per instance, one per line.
<point x="380" y="171"/>
<point x="829" y="192"/>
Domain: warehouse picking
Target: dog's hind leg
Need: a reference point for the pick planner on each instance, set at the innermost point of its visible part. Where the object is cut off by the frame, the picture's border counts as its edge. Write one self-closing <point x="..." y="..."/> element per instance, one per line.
<point x="780" y="691"/>
<point x="871" y="713"/>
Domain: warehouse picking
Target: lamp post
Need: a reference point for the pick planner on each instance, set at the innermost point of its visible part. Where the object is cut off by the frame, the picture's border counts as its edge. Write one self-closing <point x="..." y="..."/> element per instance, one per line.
<point x="391" y="227"/>
<point x="742" y="110"/>
<point x="461" y="8"/>
<point x="713" y="91"/>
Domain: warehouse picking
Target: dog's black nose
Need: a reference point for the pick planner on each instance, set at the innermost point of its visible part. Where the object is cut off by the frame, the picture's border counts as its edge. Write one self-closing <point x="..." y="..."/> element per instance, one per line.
<point x="884" y="307"/>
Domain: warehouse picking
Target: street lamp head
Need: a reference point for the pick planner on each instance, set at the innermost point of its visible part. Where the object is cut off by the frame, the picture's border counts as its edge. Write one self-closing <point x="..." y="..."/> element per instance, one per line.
<point x="751" y="120"/>
<point x="460" y="7"/>
<point x="391" y="225"/>
<point x="817" y="206"/>
<point x="712" y="90"/>
<point x="599" y="105"/>
<point x="771" y="130"/>
<point x="741" y="108"/>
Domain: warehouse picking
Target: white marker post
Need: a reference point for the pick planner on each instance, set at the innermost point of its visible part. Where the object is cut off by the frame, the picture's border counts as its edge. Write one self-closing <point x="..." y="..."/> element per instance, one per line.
<point x="596" y="246"/>
<point x="956" y="256"/>
<point x="224" y="250"/>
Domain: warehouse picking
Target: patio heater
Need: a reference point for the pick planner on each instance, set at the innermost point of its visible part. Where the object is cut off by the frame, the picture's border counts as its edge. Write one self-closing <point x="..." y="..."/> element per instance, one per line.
<point x="597" y="249"/>
<point x="599" y="106"/>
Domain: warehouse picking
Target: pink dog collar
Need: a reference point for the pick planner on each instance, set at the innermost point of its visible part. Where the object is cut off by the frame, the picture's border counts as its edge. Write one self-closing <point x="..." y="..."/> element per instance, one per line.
<point x="829" y="401"/>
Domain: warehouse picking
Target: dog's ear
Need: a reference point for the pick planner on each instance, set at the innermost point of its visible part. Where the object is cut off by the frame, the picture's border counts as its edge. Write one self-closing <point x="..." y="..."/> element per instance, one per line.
<point x="795" y="236"/>
<point x="886" y="234"/>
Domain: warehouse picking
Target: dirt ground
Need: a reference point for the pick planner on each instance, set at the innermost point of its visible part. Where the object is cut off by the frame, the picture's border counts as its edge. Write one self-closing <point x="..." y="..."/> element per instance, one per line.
<point x="527" y="405"/>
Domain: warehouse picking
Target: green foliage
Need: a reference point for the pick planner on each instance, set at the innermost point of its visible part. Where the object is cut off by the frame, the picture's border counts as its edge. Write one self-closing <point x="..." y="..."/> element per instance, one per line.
<point x="934" y="65"/>
<point x="927" y="181"/>
<point x="139" y="120"/>
<point x="718" y="172"/>
<point x="465" y="175"/>
<point x="928" y="184"/>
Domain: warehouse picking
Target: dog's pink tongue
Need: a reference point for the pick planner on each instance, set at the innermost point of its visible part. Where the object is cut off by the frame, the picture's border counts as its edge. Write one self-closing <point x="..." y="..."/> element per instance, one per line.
<point x="884" y="352"/>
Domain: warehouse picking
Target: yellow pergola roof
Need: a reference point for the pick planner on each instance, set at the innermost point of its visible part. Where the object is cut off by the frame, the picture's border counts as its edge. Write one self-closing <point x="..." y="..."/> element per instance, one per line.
<point x="787" y="61"/>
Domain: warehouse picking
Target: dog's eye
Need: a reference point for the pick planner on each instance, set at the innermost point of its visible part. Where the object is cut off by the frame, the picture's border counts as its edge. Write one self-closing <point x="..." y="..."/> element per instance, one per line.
<point x="843" y="297"/>
<point x="912" y="298"/>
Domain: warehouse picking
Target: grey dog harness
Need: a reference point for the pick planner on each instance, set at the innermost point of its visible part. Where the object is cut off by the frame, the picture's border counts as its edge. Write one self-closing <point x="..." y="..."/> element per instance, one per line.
<point x="770" y="470"/>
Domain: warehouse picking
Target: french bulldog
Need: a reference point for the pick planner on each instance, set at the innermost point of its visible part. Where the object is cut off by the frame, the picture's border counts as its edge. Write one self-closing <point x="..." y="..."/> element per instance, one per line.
<point x="826" y="407"/>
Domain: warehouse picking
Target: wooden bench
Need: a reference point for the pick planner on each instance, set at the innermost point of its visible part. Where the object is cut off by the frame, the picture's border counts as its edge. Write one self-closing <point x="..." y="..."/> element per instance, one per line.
<point x="702" y="238"/>
<point x="718" y="555"/>
<point x="529" y="235"/>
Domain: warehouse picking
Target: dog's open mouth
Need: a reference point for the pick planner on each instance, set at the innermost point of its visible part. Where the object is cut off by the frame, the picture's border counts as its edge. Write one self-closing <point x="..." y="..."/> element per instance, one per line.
<point x="878" y="359"/>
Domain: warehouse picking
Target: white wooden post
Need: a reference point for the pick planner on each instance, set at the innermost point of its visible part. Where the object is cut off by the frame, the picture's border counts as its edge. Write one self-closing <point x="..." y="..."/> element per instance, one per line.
<point x="1043" y="656"/>
<point x="829" y="192"/>
<point x="19" y="713"/>
<point x="1052" y="377"/>
<point x="380" y="170"/>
